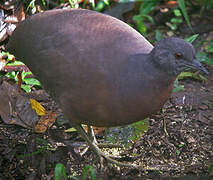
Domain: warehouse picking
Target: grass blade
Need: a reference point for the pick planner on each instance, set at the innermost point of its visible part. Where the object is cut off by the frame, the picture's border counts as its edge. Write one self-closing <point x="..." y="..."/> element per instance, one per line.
<point x="182" y="6"/>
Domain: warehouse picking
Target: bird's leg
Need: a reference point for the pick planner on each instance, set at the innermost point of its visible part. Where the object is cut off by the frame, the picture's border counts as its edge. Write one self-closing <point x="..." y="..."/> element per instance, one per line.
<point x="164" y="126"/>
<point x="92" y="137"/>
<point x="96" y="149"/>
<point x="91" y="134"/>
<point x="164" y="122"/>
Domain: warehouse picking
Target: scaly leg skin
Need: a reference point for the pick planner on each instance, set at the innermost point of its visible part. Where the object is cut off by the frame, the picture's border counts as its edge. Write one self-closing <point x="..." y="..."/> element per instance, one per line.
<point x="164" y="122"/>
<point x="96" y="149"/>
<point x="91" y="134"/>
<point x="92" y="137"/>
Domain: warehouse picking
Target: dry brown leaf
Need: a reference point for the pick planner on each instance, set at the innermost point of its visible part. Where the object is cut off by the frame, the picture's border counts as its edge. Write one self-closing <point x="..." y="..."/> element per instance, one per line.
<point x="45" y="122"/>
<point x="15" y="108"/>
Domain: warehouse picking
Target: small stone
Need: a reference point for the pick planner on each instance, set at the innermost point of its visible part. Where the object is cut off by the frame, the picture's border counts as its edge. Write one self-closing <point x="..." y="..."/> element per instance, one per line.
<point x="191" y="140"/>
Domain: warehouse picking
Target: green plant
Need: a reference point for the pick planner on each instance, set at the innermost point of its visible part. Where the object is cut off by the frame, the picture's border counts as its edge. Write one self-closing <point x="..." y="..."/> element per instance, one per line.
<point x="18" y="72"/>
<point x="145" y="8"/>
<point x="42" y="146"/>
<point x="210" y="168"/>
<point x="36" y="5"/>
<point x="178" y="152"/>
<point x="27" y="83"/>
<point x="177" y="87"/>
<point x="182" y="6"/>
<point x="202" y="56"/>
<point x="209" y="48"/>
<point x="60" y="172"/>
<point x="101" y="5"/>
<point x="192" y="38"/>
<point x="175" y="20"/>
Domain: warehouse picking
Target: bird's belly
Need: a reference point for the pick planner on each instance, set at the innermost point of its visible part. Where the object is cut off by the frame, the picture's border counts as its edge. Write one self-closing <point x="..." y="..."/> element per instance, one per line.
<point x="105" y="109"/>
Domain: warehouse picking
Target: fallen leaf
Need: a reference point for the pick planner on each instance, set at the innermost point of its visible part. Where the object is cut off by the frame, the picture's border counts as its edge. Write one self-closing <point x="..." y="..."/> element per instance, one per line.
<point x="15" y="108"/>
<point x="45" y="122"/>
<point x="37" y="107"/>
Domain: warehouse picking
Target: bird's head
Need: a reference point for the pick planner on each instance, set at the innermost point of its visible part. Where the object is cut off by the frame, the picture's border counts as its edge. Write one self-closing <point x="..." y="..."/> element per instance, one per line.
<point x="174" y="55"/>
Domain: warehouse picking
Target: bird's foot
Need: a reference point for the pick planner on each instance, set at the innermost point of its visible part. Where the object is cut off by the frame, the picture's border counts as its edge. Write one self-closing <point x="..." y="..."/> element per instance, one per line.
<point x="93" y="145"/>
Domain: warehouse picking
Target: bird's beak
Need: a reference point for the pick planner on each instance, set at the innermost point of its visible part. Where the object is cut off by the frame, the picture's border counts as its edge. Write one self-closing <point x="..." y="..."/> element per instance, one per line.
<point x="197" y="65"/>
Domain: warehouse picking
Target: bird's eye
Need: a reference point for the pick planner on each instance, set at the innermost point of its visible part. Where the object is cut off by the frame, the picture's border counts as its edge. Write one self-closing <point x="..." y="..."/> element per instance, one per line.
<point x="178" y="55"/>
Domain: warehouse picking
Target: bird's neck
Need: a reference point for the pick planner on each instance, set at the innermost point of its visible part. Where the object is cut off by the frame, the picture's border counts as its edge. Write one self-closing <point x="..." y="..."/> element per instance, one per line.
<point x="155" y="69"/>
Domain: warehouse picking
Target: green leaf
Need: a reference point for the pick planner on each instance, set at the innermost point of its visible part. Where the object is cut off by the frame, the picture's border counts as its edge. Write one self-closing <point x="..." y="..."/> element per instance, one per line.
<point x="44" y="2"/>
<point x="173" y="27"/>
<point x="70" y="130"/>
<point x="24" y="74"/>
<point x="180" y="145"/>
<point x="32" y="81"/>
<point x="209" y="48"/>
<point x="184" y="75"/>
<point x="10" y="56"/>
<point x="147" y="6"/>
<point x="71" y="3"/>
<point x="182" y="6"/>
<point x="149" y="18"/>
<point x="15" y="63"/>
<point x="106" y="2"/>
<point x="192" y="38"/>
<point x="177" y="152"/>
<point x="100" y="6"/>
<point x="203" y="78"/>
<point x="26" y="88"/>
<point x="177" y="12"/>
<point x="210" y="168"/>
<point x="140" y="24"/>
<point x="11" y="75"/>
<point x="60" y="172"/>
<point x="85" y="3"/>
<point x="202" y="57"/>
<point x="31" y="4"/>
<point x="42" y="144"/>
<point x="93" y="4"/>
<point x="177" y="87"/>
<point x="92" y="172"/>
<point x="176" y="20"/>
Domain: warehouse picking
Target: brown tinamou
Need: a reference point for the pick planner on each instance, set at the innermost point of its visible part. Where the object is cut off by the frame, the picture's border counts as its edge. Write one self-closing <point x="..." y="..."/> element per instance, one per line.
<point x="98" y="69"/>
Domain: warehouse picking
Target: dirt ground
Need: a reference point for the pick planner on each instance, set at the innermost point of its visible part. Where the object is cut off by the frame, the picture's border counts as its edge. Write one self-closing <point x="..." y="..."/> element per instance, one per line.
<point x="186" y="152"/>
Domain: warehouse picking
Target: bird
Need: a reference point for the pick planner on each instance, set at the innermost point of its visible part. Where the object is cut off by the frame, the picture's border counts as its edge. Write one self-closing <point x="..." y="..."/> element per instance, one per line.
<point x="98" y="69"/>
